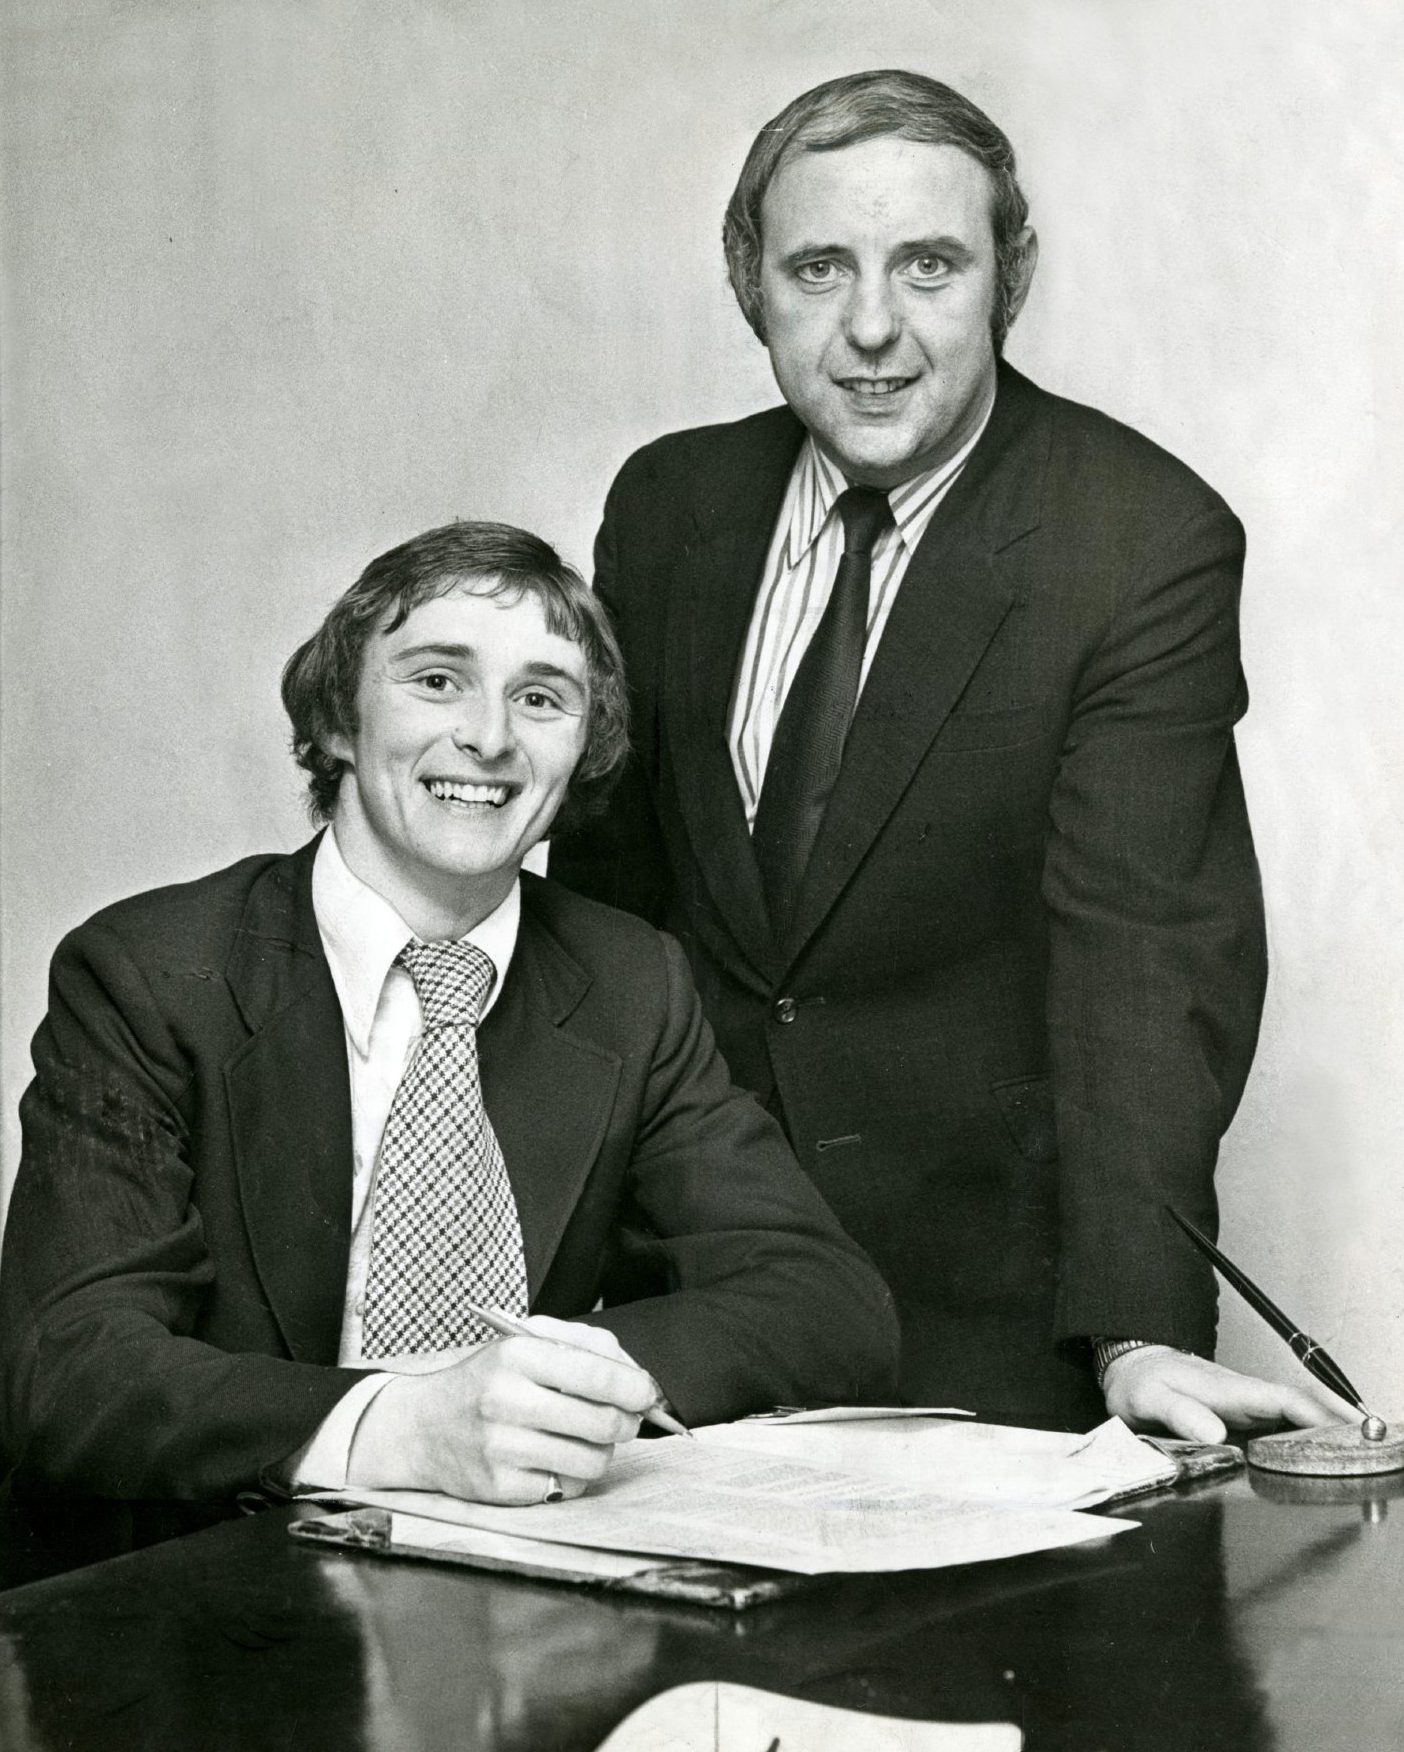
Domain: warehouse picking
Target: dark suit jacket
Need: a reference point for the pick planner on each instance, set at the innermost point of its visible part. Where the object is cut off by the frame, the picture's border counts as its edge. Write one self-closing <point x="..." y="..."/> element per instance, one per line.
<point x="1020" y="995"/>
<point x="175" y="1260"/>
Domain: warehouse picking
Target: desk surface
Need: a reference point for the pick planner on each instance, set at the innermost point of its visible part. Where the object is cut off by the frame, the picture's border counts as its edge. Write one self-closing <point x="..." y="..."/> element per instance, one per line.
<point x="1230" y="1620"/>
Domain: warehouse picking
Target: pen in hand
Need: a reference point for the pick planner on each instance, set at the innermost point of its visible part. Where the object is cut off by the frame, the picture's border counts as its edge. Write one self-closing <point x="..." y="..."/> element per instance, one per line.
<point x="507" y="1326"/>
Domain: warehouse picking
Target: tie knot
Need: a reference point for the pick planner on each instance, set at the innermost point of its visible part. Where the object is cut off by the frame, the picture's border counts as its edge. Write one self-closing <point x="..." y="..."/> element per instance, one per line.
<point x="866" y="512"/>
<point x="452" y="979"/>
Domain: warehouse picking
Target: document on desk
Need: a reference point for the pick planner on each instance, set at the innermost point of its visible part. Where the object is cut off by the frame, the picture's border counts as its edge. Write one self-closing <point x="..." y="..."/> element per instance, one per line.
<point x="717" y="1716"/>
<point x="974" y="1462"/>
<point x="687" y="1499"/>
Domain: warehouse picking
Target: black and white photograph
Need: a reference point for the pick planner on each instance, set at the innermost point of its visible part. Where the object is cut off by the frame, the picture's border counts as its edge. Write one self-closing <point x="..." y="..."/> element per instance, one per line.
<point x="701" y="919"/>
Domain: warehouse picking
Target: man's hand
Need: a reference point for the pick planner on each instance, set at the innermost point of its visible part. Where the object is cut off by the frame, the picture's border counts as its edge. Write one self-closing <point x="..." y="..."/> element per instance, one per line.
<point x="1160" y="1388"/>
<point x="496" y="1425"/>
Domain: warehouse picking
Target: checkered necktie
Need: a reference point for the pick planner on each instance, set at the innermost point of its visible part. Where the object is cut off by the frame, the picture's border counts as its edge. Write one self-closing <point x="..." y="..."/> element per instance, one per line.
<point x="445" y="1228"/>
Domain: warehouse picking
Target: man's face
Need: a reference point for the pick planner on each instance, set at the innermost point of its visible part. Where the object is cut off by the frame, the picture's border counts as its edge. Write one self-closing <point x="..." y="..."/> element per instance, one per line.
<point x="878" y="282"/>
<point x="471" y="719"/>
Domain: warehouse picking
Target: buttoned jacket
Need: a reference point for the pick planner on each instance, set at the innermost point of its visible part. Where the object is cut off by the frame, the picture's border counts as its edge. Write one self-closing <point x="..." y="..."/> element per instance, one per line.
<point x="1016" y="1004"/>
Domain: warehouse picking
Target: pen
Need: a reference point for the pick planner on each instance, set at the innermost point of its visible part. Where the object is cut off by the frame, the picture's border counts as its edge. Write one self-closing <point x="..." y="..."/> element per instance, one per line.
<point x="508" y="1327"/>
<point x="1307" y="1351"/>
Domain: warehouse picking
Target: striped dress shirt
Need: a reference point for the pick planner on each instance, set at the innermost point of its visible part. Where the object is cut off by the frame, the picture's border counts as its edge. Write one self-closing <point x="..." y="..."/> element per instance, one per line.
<point x="799" y="574"/>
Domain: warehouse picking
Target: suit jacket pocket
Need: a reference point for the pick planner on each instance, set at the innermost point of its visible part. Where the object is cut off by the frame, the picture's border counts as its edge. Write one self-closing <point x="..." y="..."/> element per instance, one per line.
<point x="1026" y="1104"/>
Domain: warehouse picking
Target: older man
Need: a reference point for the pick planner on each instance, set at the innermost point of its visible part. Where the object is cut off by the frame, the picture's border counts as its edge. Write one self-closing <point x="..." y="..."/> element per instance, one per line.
<point x="935" y="679"/>
<point x="290" y="1123"/>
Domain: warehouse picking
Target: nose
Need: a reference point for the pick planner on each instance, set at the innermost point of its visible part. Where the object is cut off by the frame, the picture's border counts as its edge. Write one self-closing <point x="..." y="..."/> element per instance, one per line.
<point x="871" y="316"/>
<point x="483" y="727"/>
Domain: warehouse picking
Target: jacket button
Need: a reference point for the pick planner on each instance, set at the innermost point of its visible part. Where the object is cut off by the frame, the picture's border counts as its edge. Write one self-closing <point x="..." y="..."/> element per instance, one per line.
<point x="785" y="1009"/>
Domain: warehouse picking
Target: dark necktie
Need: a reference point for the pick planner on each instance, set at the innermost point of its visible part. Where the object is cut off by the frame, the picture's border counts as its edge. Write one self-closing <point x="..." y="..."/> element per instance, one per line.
<point x="808" y="747"/>
<point x="445" y="1228"/>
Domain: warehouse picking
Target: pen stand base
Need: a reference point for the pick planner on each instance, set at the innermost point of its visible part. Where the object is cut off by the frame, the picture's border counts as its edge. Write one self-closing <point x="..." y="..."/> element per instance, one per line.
<point x="1337" y="1451"/>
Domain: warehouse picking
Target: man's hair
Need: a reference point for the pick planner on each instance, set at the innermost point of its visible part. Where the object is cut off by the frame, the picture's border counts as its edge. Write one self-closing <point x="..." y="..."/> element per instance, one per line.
<point x="321" y="678"/>
<point x="868" y="106"/>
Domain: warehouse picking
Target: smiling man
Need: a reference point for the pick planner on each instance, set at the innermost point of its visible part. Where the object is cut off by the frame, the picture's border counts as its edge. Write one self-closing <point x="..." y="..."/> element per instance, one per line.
<point x="291" y="1124"/>
<point x="878" y="283"/>
<point x="935" y="679"/>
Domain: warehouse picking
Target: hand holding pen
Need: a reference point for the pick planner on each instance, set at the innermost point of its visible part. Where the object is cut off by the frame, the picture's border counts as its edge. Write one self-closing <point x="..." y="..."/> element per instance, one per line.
<point x="658" y="1414"/>
<point x="532" y="1420"/>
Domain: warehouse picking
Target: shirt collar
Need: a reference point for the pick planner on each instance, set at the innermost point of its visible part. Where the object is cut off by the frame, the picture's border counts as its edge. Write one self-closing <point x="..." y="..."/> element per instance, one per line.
<point x="362" y="934"/>
<point x="818" y="481"/>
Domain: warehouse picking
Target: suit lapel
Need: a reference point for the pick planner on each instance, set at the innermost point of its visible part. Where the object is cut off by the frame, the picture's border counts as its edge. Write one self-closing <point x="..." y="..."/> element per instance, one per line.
<point x="549" y="1092"/>
<point x="714" y="592"/>
<point x="954" y="596"/>
<point x="290" y="1110"/>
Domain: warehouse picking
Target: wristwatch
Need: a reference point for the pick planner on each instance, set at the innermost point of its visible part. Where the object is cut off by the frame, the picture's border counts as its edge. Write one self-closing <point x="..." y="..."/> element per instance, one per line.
<point x="1105" y="1351"/>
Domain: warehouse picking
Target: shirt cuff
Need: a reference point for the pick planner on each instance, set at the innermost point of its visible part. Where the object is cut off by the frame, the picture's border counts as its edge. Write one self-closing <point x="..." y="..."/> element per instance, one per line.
<point x="322" y="1464"/>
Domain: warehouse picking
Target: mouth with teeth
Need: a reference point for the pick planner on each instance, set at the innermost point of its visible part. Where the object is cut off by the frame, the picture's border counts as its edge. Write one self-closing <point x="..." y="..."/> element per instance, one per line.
<point x="873" y="388"/>
<point x="469" y="793"/>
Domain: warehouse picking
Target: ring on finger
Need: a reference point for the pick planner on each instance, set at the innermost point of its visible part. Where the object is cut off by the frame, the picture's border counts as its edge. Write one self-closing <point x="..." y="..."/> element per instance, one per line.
<point x="553" y="1492"/>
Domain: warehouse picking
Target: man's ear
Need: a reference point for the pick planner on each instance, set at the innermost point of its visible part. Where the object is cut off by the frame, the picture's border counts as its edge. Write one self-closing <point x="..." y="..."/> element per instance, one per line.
<point x="338" y="746"/>
<point x="1026" y="259"/>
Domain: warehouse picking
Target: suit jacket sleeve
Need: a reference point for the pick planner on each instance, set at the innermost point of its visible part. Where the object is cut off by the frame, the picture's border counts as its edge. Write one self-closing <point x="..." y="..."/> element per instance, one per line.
<point x="106" y="1390"/>
<point x="619" y="857"/>
<point x="1156" y="953"/>
<point x="768" y="1299"/>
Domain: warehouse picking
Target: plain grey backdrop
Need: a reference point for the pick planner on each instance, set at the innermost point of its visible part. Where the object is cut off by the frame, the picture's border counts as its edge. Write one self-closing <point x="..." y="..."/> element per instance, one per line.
<point x="287" y="282"/>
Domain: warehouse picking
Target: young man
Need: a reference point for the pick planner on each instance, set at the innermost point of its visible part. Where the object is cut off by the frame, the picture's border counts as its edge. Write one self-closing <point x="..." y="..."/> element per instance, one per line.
<point x="287" y="1121"/>
<point x="935" y="678"/>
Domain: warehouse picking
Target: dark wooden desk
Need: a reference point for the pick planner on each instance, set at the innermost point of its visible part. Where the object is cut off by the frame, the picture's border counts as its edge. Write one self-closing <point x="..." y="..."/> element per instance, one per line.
<point x="1229" y="1621"/>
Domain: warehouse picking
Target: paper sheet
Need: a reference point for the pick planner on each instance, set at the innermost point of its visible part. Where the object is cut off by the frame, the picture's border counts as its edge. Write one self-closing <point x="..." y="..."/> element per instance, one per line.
<point x="692" y="1499"/>
<point x="977" y="1463"/>
<point x="720" y="1717"/>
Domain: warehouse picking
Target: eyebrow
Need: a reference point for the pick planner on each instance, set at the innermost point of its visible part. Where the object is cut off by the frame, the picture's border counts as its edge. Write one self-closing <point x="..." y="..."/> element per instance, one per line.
<point x="553" y="672"/>
<point x="441" y="651"/>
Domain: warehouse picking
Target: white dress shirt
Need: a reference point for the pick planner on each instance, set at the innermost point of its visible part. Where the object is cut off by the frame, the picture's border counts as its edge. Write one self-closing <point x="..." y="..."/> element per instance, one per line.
<point x="362" y="934"/>
<point x="795" y="587"/>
